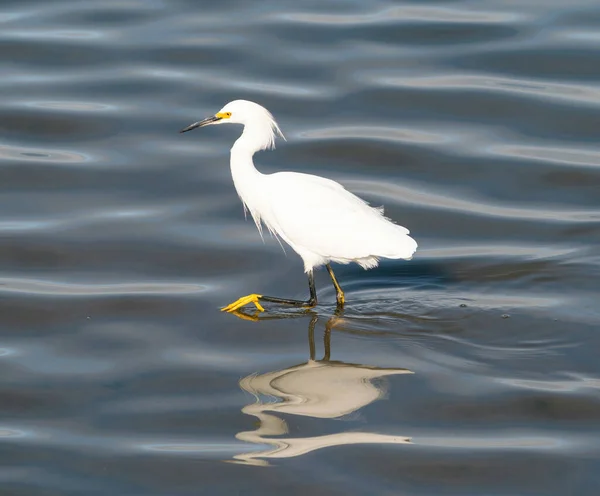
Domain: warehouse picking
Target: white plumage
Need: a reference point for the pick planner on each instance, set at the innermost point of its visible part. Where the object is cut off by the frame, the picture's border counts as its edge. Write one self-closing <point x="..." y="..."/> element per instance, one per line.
<point x="317" y="217"/>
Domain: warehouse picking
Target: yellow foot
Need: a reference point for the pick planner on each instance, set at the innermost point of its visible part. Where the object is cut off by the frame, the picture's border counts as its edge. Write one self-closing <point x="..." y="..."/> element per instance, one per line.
<point x="243" y="301"/>
<point x="341" y="299"/>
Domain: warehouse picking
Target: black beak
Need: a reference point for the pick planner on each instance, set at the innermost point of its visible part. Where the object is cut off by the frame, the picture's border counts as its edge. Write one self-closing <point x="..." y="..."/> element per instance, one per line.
<point x="205" y="122"/>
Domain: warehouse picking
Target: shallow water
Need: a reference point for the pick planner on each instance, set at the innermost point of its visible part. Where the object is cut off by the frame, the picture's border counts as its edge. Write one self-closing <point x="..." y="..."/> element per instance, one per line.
<point x="470" y="370"/>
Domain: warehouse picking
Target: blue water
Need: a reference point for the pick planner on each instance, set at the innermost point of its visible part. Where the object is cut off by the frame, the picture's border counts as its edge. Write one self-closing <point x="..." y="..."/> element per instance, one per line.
<point x="470" y="370"/>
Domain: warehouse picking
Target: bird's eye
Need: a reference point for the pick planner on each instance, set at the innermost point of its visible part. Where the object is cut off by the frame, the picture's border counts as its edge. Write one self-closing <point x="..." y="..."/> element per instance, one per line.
<point x="228" y="114"/>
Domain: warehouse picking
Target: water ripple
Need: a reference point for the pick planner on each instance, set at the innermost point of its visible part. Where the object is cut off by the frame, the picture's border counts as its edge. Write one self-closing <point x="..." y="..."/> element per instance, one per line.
<point x="396" y="134"/>
<point x="567" y="156"/>
<point x="28" y="154"/>
<point x="425" y="198"/>
<point x="575" y="384"/>
<point x="69" y="106"/>
<point x="531" y="88"/>
<point x="55" y="288"/>
<point x="405" y="13"/>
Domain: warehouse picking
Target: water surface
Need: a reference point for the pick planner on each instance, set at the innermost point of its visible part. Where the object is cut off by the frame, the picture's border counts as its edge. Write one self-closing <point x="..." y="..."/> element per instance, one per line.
<point x="471" y="369"/>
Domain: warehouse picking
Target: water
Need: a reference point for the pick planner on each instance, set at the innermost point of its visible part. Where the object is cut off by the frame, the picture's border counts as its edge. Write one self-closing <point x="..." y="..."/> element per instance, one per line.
<point x="470" y="370"/>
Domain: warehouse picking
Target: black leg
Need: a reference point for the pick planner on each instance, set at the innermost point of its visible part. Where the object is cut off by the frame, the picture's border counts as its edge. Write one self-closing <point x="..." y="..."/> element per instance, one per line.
<point x="256" y="298"/>
<point x="311" y="302"/>
<point x="339" y="294"/>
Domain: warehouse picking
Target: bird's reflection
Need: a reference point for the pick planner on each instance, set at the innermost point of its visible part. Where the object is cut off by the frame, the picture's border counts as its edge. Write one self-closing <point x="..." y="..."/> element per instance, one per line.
<point x="324" y="389"/>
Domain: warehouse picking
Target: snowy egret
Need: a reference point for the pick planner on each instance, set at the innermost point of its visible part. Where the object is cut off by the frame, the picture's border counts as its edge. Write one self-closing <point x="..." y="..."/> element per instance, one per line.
<point x="321" y="220"/>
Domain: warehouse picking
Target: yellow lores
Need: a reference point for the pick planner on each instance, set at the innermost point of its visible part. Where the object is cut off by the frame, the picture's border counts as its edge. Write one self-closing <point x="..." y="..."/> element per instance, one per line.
<point x="317" y="217"/>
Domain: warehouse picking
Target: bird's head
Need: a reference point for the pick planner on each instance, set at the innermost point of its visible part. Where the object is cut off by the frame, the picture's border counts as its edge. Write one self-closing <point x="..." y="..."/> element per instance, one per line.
<point x="257" y="120"/>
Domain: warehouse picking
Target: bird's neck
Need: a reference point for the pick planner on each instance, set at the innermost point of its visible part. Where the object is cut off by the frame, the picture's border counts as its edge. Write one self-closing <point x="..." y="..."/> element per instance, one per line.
<point x="242" y="152"/>
<point x="255" y="137"/>
<point x="243" y="171"/>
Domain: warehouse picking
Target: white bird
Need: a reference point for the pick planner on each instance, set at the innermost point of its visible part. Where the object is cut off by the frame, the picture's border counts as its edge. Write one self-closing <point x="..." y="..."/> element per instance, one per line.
<point x="320" y="220"/>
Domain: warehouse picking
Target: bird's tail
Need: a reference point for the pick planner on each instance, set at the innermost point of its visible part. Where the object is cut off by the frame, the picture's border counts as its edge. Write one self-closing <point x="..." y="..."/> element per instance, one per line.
<point x="393" y="241"/>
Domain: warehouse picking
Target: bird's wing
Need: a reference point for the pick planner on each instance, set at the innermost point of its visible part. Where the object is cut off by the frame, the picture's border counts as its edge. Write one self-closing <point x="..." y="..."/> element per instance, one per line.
<point x="321" y="216"/>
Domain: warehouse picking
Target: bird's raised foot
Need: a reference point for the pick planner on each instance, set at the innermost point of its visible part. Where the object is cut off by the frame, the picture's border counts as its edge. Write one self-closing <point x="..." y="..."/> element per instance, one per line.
<point x="243" y="301"/>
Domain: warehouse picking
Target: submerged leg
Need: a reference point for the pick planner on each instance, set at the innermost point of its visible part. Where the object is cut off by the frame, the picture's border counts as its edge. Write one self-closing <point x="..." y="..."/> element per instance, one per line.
<point x="339" y="296"/>
<point x="256" y="298"/>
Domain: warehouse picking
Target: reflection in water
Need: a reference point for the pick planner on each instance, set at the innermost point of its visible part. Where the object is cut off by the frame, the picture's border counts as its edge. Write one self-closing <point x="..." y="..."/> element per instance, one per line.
<point x="323" y="389"/>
